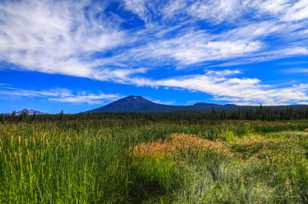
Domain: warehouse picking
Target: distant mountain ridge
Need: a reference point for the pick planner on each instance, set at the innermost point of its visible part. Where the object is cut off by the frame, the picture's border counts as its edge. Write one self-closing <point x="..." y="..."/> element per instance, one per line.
<point x="141" y="104"/>
<point x="29" y="112"/>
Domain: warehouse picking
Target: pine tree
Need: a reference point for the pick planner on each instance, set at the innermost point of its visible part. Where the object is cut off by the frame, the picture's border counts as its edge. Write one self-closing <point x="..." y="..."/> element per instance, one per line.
<point x="61" y="115"/>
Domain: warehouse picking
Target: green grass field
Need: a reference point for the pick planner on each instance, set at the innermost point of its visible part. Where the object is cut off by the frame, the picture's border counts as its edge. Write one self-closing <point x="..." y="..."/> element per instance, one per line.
<point x="101" y="161"/>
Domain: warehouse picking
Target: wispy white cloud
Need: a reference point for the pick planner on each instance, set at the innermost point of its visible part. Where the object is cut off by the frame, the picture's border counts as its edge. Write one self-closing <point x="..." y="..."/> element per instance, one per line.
<point x="138" y="7"/>
<point x="62" y="36"/>
<point x="217" y="11"/>
<point x="265" y="56"/>
<point x="59" y="95"/>
<point x="244" y="42"/>
<point x="69" y="37"/>
<point x="161" y="102"/>
<point x="192" y="47"/>
<point x="296" y="70"/>
<point x="223" y="85"/>
<point x="297" y="11"/>
<point x="195" y="47"/>
<point x="228" y="10"/>
<point x="86" y="98"/>
<point x="174" y="6"/>
<point x="55" y="36"/>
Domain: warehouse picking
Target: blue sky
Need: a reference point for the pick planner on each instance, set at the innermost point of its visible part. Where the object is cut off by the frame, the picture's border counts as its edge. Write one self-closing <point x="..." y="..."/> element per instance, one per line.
<point x="78" y="55"/>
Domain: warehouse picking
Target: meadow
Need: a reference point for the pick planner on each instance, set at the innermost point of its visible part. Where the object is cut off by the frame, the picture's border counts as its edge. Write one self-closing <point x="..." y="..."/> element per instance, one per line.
<point x="142" y="161"/>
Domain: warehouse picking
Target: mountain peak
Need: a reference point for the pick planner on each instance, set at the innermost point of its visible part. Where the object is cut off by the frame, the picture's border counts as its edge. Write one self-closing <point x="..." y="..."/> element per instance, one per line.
<point x="134" y="98"/>
<point x="141" y="104"/>
<point x="132" y="104"/>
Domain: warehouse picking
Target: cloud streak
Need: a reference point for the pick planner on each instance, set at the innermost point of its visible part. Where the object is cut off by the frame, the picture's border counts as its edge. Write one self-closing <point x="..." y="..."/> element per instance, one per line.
<point x="225" y="86"/>
<point x="88" y="39"/>
<point x="59" y="95"/>
<point x="55" y="37"/>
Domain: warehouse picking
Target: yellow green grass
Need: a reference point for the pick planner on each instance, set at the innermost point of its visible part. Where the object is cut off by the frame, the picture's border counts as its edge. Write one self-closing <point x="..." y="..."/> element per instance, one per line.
<point x="154" y="162"/>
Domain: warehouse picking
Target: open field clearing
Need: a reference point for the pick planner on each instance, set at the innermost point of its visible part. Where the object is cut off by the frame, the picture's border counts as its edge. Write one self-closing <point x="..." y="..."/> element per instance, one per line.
<point x="154" y="162"/>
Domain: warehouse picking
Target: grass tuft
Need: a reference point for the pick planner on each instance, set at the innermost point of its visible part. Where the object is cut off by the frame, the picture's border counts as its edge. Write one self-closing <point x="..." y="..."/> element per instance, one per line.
<point x="110" y="161"/>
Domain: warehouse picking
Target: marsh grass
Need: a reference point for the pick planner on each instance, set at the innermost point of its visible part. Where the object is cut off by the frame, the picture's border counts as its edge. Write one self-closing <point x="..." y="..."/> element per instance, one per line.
<point x="111" y="162"/>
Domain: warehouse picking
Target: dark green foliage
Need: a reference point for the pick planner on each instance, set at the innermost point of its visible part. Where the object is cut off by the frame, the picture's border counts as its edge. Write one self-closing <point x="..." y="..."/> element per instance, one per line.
<point x="241" y="113"/>
<point x="61" y="115"/>
<point x="151" y="179"/>
<point x="2" y="118"/>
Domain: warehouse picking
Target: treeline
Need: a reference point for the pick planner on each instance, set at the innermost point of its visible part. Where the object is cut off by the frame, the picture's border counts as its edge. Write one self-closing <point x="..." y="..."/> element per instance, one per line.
<point x="260" y="113"/>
